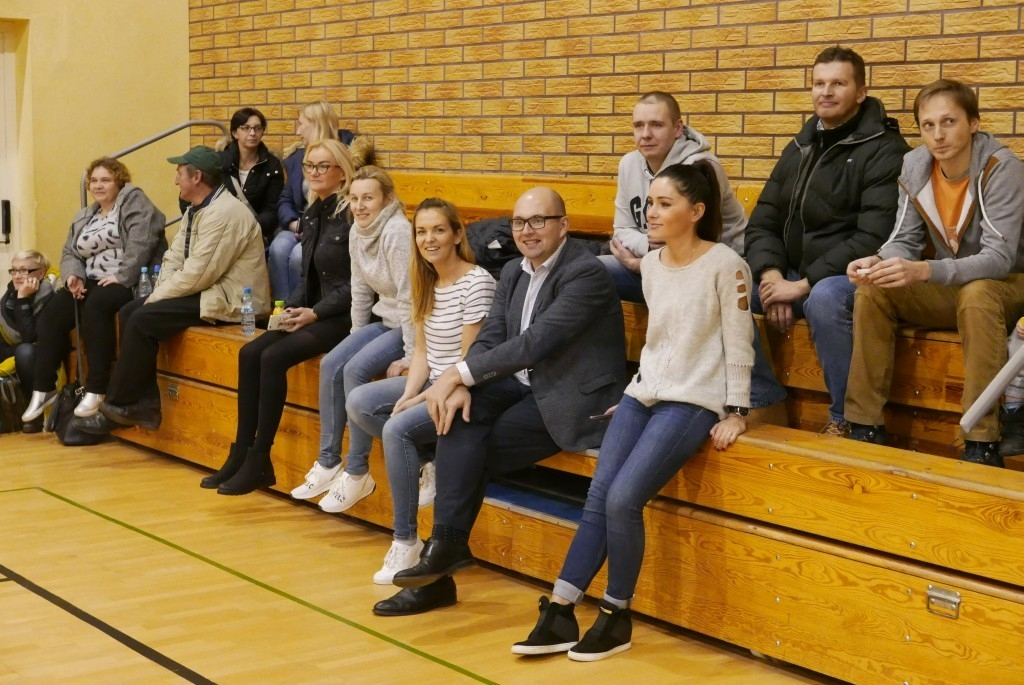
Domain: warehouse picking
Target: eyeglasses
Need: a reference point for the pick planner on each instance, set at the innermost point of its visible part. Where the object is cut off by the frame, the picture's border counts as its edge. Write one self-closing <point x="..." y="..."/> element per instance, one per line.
<point x="318" y="169"/>
<point x="247" y="129"/>
<point x="23" y="272"/>
<point x="535" y="222"/>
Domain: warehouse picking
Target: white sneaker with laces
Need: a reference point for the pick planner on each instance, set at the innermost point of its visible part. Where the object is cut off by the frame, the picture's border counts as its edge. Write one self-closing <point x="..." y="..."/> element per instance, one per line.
<point x="428" y="484"/>
<point x="345" y="492"/>
<point x="398" y="558"/>
<point x="317" y="481"/>
<point x="89" y="404"/>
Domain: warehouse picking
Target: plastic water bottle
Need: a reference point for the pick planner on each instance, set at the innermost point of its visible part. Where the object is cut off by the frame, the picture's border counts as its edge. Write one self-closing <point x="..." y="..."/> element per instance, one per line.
<point x="248" y="313"/>
<point x="156" y="273"/>
<point x="145" y="287"/>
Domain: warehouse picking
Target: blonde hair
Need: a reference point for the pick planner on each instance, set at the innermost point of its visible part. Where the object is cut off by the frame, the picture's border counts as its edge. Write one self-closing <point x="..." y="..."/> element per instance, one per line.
<point x="375" y="173"/>
<point x="342" y="157"/>
<point x="423" y="275"/>
<point x="362" y="152"/>
<point x="325" y="124"/>
<point x="32" y="255"/>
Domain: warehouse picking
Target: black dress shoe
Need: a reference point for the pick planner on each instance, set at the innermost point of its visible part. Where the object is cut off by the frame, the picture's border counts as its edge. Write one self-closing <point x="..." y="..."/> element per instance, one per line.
<point x="138" y="414"/>
<point x="97" y="424"/>
<point x="437" y="559"/>
<point x="440" y="593"/>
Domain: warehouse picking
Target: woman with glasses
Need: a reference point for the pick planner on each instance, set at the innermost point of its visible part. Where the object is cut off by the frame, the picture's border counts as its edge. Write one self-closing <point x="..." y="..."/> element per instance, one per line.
<point x="251" y="172"/>
<point x="108" y="244"/>
<point x="26" y="295"/>
<point x="380" y="246"/>
<point x="316" y="121"/>
<point x="451" y="297"/>
<point x="316" y="319"/>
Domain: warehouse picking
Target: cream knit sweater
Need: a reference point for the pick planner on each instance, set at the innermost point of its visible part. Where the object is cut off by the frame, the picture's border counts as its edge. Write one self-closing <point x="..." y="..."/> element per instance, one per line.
<point x="699" y="332"/>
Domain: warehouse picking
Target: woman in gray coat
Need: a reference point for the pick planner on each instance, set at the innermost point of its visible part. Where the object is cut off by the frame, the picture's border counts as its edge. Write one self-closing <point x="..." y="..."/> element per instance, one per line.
<point x="108" y="244"/>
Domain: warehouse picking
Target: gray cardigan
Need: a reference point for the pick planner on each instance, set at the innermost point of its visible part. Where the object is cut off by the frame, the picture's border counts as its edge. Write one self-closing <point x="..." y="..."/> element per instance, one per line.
<point x="141" y="228"/>
<point x="990" y="225"/>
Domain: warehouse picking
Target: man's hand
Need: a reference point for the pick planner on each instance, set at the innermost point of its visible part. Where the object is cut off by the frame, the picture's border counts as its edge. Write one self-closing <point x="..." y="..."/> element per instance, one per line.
<point x="438" y="393"/>
<point x="898" y="272"/>
<point x="625" y="256"/>
<point x="459" y="400"/>
<point x="859" y="269"/>
<point x="76" y="286"/>
<point x="782" y="291"/>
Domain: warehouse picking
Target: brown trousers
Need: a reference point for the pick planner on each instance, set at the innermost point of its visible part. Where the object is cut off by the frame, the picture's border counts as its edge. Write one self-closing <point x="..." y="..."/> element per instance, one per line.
<point x="979" y="310"/>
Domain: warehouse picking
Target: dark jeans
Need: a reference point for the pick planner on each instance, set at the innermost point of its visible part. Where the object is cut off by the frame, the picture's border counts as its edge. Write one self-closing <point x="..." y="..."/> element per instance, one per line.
<point x="99" y="333"/>
<point x="506" y="432"/>
<point x="142" y="329"/>
<point x="262" y="375"/>
<point x="24" y="364"/>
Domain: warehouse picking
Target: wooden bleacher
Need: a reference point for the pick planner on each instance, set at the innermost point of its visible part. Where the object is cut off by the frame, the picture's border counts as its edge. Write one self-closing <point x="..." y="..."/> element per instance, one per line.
<point x="870" y="564"/>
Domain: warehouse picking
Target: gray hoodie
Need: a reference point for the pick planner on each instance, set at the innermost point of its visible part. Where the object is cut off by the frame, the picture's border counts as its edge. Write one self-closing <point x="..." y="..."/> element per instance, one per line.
<point x="989" y="231"/>
<point x="635" y="180"/>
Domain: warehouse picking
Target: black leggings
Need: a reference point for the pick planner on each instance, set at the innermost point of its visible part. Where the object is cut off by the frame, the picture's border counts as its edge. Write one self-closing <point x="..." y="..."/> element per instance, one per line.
<point x="262" y="375"/>
<point x="99" y="334"/>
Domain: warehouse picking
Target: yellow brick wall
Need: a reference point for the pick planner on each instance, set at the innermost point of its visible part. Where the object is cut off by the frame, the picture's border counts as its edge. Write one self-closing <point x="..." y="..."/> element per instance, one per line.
<point x="541" y="86"/>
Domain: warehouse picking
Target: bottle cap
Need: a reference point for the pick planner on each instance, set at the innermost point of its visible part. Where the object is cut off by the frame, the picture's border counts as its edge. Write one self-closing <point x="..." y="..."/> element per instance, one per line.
<point x="145" y="269"/>
<point x="278" y="303"/>
<point x="247" y="291"/>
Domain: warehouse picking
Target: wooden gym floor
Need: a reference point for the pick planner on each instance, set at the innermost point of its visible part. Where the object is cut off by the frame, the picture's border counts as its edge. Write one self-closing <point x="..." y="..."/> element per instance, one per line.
<point x="115" y="567"/>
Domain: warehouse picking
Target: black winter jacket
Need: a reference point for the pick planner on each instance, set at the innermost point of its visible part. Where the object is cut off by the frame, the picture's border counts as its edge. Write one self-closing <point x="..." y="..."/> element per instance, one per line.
<point x="325" y="238"/>
<point x="262" y="186"/>
<point x="847" y="207"/>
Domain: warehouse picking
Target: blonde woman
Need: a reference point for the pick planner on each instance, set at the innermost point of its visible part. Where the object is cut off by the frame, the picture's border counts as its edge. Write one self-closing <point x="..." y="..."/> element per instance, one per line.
<point x="317" y="317"/>
<point x="380" y="245"/>
<point x="450" y="298"/>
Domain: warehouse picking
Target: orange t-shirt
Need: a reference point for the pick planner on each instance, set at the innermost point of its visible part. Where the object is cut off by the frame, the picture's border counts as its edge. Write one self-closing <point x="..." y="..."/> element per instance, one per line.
<point x="949" y="201"/>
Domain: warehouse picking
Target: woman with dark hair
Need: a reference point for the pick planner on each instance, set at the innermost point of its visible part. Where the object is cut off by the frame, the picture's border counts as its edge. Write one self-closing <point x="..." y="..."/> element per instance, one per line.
<point x="108" y="244"/>
<point x="450" y="299"/>
<point x="693" y="382"/>
<point x="316" y="319"/>
<point x="251" y="172"/>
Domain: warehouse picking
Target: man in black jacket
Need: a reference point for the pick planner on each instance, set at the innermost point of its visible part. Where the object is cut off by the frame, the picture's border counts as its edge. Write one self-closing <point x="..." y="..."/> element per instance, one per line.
<point x="830" y="199"/>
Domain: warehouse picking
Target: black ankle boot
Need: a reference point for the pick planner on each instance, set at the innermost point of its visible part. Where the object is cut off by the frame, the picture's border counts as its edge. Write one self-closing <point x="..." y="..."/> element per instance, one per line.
<point x="256" y="472"/>
<point x="236" y="456"/>
<point x="986" y="453"/>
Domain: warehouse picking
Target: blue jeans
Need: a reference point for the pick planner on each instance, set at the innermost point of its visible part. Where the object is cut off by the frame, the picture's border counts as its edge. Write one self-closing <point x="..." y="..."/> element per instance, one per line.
<point x="627" y="282"/>
<point x="369" y="407"/>
<point x="284" y="263"/>
<point x="829" y="313"/>
<point x="643" y="448"/>
<point x="357" y="360"/>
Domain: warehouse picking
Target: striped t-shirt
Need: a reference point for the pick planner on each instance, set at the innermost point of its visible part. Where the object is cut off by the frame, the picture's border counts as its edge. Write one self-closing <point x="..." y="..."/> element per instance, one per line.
<point x="466" y="301"/>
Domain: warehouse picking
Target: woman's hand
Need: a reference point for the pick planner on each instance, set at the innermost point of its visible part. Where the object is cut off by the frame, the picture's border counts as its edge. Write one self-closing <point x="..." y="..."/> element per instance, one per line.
<point x="76" y="286"/>
<point x="406" y="401"/>
<point x="296" y="318"/>
<point x="108" y="280"/>
<point x="625" y="255"/>
<point x="29" y="287"/>
<point x="397" y="368"/>
<point x="725" y="432"/>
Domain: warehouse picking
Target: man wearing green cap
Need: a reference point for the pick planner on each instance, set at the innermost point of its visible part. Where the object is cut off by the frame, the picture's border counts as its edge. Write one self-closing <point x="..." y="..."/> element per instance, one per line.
<point x="217" y="252"/>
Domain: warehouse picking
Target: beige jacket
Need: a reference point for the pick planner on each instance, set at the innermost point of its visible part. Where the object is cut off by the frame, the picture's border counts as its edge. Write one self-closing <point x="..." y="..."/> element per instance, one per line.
<point x="225" y="255"/>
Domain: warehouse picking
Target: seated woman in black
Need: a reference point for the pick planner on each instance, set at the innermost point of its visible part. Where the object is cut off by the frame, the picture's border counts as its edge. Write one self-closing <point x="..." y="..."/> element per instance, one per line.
<point x="251" y="172"/>
<point x="317" y="318"/>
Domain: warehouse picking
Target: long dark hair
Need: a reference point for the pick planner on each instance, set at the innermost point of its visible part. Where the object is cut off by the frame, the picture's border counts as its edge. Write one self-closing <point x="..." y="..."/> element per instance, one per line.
<point x="698" y="182"/>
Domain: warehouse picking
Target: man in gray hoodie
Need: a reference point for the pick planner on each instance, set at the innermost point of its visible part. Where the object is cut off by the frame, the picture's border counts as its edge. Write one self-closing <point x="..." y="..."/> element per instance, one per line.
<point x="662" y="139"/>
<point x="960" y="194"/>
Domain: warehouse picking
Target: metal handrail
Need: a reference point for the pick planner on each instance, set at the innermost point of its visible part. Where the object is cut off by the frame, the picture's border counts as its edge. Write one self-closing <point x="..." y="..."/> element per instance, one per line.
<point x="148" y="141"/>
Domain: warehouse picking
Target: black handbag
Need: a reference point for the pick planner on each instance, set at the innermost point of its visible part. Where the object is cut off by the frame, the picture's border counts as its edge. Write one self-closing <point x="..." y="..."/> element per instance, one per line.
<point x="63" y="412"/>
<point x="12" y="404"/>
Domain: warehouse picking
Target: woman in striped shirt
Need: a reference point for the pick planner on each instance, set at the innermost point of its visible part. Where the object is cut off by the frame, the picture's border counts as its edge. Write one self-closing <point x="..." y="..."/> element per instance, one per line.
<point x="450" y="297"/>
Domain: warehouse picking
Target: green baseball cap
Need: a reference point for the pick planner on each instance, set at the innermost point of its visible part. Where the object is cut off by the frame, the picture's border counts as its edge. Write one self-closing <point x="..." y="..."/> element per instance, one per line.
<point x="202" y="158"/>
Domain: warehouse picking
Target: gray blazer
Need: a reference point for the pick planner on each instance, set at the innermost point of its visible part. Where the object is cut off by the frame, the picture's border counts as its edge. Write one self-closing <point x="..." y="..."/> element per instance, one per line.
<point x="575" y="346"/>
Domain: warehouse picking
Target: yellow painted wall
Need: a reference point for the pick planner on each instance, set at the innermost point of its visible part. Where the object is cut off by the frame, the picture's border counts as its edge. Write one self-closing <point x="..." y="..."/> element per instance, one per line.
<point x="93" y="77"/>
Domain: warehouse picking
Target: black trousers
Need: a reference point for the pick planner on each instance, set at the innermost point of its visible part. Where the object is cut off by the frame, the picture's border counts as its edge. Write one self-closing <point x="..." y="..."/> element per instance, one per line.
<point x="505" y="433"/>
<point x="99" y="333"/>
<point x="262" y="375"/>
<point x="142" y="329"/>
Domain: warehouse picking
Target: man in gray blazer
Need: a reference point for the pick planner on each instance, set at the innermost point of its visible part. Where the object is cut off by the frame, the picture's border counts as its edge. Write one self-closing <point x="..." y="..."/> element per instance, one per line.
<point x="550" y="354"/>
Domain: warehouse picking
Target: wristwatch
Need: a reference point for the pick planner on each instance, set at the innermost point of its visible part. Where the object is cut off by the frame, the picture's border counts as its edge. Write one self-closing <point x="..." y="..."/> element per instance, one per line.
<point x="738" y="411"/>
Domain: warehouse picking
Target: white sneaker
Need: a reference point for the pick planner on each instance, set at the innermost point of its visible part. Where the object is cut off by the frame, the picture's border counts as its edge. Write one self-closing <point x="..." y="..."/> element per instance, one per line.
<point x="317" y="480"/>
<point x="346" y="491"/>
<point x="428" y="484"/>
<point x="89" y="404"/>
<point x="398" y="558"/>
